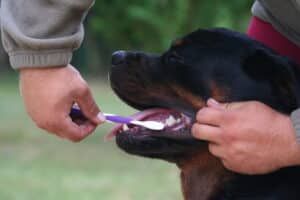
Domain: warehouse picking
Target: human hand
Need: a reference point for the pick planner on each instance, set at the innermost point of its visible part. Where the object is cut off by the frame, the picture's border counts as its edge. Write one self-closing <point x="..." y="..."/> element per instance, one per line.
<point x="49" y="94"/>
<point x="249" y="137"/>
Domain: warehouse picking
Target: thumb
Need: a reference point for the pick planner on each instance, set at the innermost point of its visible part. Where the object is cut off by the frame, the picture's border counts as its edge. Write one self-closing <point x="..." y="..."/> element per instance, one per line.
<point x="89" y="108"/>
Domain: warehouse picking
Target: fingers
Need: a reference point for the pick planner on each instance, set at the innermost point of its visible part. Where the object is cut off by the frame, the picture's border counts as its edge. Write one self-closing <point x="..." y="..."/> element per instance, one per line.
<point x="217" y="113"/>
<point x="210" y="116"/>
<point x="209" y="121"/>
<point x="88" y="106"/>
<point x="74" y="132"/>
<point x="207" y="133"/>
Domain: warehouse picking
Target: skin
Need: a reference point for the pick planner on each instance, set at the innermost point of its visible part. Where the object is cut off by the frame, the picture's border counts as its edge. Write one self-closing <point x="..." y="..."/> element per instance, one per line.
<point x="249" y="137"/>
<point x="49" y="94"/>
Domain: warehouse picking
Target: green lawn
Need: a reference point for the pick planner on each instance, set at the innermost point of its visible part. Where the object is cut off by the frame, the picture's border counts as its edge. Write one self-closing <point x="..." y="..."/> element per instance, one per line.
<point x="35" y="165"/>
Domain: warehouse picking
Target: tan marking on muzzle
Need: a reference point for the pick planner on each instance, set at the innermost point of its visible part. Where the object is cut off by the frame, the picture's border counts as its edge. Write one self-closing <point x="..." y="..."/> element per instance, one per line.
<point x="188" y="97"/>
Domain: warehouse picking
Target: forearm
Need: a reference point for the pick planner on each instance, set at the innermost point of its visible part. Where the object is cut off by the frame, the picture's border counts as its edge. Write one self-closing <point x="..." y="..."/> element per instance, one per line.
<point x="42" y="32"/>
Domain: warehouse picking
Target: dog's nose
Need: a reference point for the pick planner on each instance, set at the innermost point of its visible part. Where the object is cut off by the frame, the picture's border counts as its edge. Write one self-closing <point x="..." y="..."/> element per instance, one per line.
<point x="118" y="57"/>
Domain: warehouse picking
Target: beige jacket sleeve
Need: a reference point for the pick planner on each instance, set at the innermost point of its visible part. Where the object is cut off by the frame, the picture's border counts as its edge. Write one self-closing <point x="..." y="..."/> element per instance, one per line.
<point x="42" y="33"/>
<point x="284" y="15"/>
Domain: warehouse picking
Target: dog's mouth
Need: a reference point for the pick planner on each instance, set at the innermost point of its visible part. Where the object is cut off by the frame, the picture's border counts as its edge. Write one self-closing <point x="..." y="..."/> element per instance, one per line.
<point x="175" y="123"/>
<point x="136" y="79"/>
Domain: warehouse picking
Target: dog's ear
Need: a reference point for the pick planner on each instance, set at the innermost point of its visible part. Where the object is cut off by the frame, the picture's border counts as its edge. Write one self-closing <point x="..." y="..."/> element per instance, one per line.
<point x="279" y="71"/>
<point x="262" y="65"/>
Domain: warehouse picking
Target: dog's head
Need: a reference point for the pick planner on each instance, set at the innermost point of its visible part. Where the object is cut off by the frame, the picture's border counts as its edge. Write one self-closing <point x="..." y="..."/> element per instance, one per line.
<point x="172" y="87"/>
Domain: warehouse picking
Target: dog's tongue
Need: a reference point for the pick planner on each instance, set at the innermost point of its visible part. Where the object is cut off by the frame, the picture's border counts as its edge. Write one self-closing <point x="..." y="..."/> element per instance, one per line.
<point x="156" y="114"/>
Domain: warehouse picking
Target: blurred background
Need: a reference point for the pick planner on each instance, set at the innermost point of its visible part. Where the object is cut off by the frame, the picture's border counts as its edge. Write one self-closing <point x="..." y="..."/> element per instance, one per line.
<point x="35" y="165"/>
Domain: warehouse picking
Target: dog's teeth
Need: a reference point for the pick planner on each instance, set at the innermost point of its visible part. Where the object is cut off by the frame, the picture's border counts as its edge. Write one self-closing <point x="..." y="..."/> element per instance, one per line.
<point x="171" y="121"/>
<point x="167" y="122"/>
<point x="125" y="127"/>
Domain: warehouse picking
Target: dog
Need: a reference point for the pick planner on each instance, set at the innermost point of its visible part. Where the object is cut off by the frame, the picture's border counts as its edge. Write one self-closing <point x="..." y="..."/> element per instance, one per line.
<point x="173" y="86"/>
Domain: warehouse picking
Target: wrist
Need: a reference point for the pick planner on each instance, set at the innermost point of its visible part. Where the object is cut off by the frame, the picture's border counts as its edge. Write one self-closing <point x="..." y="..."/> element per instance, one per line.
<point x="37" y="71"/>
<point x="26" y="68"/>
<point x="293" y="150"/>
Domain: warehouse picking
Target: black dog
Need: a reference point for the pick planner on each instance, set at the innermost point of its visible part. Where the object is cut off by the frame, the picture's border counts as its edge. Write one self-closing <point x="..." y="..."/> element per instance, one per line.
<point x="215" y="63"/>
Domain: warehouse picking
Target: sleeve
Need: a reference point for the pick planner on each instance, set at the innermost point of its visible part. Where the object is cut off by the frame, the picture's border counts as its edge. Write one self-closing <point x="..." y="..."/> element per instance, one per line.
<point x="42" y="33"/>
<point x="283" y="15"/>
<point x="295" y="116"/>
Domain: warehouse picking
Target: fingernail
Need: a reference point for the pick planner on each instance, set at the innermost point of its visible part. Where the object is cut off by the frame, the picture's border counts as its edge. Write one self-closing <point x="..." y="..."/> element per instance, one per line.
<point x="213" y="102"/>
<point x="101" y="117"/>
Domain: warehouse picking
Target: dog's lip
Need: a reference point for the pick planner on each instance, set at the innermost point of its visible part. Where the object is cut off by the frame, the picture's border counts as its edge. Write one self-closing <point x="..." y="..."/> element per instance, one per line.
<point x="141" y="116"/>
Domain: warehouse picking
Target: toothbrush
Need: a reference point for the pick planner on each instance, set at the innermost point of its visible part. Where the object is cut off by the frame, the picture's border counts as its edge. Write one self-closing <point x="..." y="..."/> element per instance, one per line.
<point x="152" y="125"/>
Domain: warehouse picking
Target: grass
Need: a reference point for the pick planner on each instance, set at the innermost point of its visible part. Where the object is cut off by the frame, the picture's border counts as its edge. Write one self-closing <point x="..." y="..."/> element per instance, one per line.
<point x="35" y="165"/>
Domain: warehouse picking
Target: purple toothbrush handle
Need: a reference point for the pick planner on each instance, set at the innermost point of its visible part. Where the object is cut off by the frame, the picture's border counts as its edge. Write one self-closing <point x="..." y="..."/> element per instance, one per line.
<point x="117" y="119"/>
<point x="77" y="114"/>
